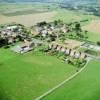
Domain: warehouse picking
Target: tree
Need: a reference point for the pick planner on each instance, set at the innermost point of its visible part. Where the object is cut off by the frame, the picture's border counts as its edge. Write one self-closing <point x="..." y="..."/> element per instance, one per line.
<point x="3" y="42"/>
<point x="98" y="43"/>
<point x="42" y="23"/>
<point x="78" y="28"/>
<point x="58" y="22"/>
<point x="53" y="37"/>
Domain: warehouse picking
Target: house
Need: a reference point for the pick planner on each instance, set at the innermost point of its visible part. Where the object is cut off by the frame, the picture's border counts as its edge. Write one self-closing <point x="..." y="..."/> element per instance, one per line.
<point x="11" y="28"/>
<point x="77" y="55"/>
<point x="63" y="49"/>
<point x="64" y="29"/>
<point x="58" y="48"/>
<point x="44" y="33"/>
<point x="67" y="51"/>
<point x="72" y="53"/>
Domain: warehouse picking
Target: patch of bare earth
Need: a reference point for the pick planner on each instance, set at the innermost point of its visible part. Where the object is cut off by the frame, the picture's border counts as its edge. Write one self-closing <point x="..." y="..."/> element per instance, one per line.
<point x="28" y="20"/>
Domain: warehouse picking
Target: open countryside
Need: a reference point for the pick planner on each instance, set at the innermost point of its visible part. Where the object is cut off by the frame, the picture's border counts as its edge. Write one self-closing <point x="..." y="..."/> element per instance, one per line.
<point x="49" y="50"/>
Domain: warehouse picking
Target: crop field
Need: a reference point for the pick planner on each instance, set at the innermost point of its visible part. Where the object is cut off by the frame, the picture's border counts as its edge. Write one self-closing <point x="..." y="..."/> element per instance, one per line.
<point x="25" y="77"/>
<point x="26" y="14"/>
<point x="85" y="86"/>
<point x="28" y="20"/>
<point x="10" y="8"/>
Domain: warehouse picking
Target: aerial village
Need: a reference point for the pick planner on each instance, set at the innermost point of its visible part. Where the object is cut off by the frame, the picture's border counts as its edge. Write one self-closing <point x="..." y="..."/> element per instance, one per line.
<point x="67" y="42"/>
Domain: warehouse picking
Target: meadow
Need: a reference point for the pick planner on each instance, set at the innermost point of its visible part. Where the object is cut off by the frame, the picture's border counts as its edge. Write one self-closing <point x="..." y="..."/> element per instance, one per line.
<point x="85" y="86"/>
<point x="27" y="76"/>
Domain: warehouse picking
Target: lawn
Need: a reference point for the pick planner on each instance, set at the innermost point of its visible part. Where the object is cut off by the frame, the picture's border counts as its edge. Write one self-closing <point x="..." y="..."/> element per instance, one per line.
<point x="85" y="86"/>
<point x="27" y="76"/>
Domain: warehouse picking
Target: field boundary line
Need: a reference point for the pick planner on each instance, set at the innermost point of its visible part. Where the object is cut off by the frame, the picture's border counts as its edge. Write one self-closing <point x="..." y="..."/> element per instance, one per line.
<point x="62" y="83"/>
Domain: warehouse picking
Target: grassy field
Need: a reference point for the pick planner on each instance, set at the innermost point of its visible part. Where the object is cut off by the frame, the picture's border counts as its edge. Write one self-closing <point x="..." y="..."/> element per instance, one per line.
<point x="25" y="77"/>
<point x="85" y="86"/>
<point x="72" y="16"/>
<point x="94" y="30"/>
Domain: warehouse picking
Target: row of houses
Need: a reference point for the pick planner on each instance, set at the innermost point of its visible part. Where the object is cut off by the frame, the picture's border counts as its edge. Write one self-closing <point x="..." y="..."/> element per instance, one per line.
<point x="67" y="51"/>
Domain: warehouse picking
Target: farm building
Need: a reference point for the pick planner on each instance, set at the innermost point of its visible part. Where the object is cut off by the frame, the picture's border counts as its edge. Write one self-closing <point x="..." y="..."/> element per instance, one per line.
<point x="91" y="46"/>
<point x="27" y="46"/>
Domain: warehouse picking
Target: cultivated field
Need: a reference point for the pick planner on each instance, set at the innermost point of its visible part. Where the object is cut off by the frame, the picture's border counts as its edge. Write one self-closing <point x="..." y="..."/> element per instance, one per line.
<point x="27" y="14"/>
<point x="25" y="77"/>
<point x="28" y="20"/>
<point x="84" y="87"/>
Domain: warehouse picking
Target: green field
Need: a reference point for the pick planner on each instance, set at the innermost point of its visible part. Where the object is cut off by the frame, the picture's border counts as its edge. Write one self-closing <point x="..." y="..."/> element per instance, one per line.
<point x="25" y="77"/>
<point x="85" y="86"/>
